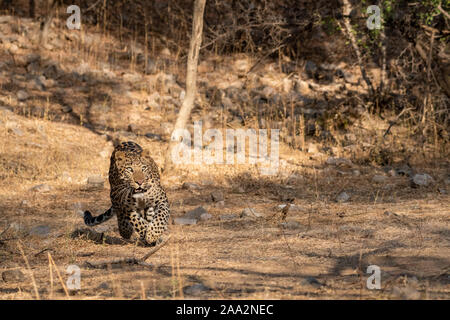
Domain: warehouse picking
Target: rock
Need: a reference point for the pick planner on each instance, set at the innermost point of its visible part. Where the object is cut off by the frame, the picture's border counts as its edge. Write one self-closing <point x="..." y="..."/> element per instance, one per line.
<point x="293" y="207"/>
<point x="16" y="131"/>
<point x="341" y="162"/>
<point x="406" y="293"/>
<point x="41" y="231"/>
<point x="17" y="227"/>
<point x="104" y="286"/>
<point x="153" y="136"/>
<point x="422" y="179"/>
<point x="312" y="148"/>
<point x="217" y="196"/>
<point x="310" y="68"/>
<point x="302" y="87"/>
<point x="41" y="188"/>
<point x="228" y="216"/>
<point x="205" y="216"/>
<point x="442" y="191"/>
<point x="294" y="178"/>
<point x="311" y="281"/>
<point x="219" y="204"/>
<point x="195" y="289"/>
<point x="66" y="109"/>
<point x="405" y="170"/>
<point x="238" y="189"/>
<point x="379" y="178"/>
<point x="356" y="173"/>
<point x="13" y="276"/>
<point x="95" y="182"/>
<point x="343" y="197"/>
<point x="185" y="221"/>
<point x="190" y="186"/>
<point x="251" y="213"/>
<point x="66" y="177"/>
<point x="22" y="95"/>
<point x="390" y="214"/>
<point x="196" y="213"/>
<point x="290" y="225"/>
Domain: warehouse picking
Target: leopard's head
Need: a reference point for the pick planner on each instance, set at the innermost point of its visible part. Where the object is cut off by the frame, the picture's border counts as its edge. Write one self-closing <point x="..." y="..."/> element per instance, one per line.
<point x="132" y="170"/>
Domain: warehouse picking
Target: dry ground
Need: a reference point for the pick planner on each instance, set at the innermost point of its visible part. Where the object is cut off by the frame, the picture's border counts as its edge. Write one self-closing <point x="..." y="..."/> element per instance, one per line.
<point x="237" y="258"/>
<point x="321" y="252"/>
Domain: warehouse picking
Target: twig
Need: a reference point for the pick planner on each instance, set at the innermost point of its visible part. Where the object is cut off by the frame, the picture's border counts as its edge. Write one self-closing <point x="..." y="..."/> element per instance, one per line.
<point x="443" y="11"/>
<point x="29" y="270"/>
<point x="393" y="123"/>
<point x="50" y="259"/>
<point x="141" y="261"/>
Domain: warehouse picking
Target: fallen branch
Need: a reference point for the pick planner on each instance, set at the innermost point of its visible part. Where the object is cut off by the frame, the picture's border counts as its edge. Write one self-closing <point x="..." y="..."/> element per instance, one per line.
<point x="131" y="261"/>
<point x="443" y="11"/>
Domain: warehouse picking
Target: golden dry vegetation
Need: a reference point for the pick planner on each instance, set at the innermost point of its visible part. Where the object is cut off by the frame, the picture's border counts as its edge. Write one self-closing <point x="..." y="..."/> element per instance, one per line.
<point x="58" y="137"/>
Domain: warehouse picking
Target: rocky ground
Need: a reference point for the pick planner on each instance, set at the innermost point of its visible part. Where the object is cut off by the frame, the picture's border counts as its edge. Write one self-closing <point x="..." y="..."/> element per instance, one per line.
<point x="361" y="197"/>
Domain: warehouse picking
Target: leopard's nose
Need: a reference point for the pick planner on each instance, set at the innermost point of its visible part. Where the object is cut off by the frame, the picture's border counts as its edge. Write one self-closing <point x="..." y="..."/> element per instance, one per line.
<point x="139" y="177"/>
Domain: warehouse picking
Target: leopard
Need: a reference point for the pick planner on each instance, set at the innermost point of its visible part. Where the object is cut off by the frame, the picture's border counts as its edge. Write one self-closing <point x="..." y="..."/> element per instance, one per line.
<point x="137" y="197"/>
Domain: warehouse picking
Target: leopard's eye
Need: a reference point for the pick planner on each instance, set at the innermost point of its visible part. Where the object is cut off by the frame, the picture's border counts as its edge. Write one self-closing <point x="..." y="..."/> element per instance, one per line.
<point x="129" y="169"/>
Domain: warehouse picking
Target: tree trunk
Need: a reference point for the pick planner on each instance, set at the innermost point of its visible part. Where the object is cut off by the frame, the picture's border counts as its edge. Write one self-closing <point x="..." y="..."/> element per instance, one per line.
<point x="191" y="78"/>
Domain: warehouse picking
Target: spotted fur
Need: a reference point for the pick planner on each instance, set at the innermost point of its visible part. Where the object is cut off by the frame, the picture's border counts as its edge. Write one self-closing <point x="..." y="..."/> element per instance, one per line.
<point x="137" y="197"/>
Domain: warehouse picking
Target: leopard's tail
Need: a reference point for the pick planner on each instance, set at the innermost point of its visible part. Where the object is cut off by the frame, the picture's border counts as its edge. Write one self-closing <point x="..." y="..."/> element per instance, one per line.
<point x="91" y="221"/>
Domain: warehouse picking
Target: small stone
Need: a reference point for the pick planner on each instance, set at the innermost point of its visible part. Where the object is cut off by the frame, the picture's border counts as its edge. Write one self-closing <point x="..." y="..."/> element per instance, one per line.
<point x="95" y="182"/>
<point x="66" y="177"/>
<point x="219" y="204"/>
<point x="17" y="227"/>
<point x="185" y="221"/>
<point x="405" y="170"/>
<point x="390" y="214"/>
<point x="311" y="281"/>
<point x="17" y="131"/>
<point x="13" y="276"/>
<point x="239" y="190"/>
<point x="290" y="225"/>
<point x="190" y="186"/>
<point x="379" y="178"/>
<point x="217" y="196"/>
<point x="196" y="213"/>
<point x="341" y="162"/>
<point x="442" y="191"/>
<point x="406" y="293"/>
<point x="41" y="231"/>
<point x="227" y="216"/>
<point x="356" y="173"/>
<point x="104" y="286"/>
<point x="205" y="216"/>
<point x="250" y="212"/>
<point x="195" y="289"/>
<point x="22" y="95"/>
<point x="153" y="136"/>
<point x="41" y="188"/>
<point x="66" y="109"/>
<point x="343" y="197"/>
<point x="312" y="148"/>
<point x="422" y="179"/>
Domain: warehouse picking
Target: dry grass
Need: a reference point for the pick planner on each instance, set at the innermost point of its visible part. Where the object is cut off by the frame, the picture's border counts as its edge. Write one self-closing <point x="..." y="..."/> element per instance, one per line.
<point x="237" y="258"/>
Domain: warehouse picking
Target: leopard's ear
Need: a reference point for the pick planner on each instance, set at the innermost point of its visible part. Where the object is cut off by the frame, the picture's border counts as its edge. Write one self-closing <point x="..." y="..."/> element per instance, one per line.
<point x="119" y="157"/>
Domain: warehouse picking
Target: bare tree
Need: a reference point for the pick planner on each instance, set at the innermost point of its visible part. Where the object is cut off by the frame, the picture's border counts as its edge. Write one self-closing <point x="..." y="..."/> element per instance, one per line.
<point x="191" y="77"/>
